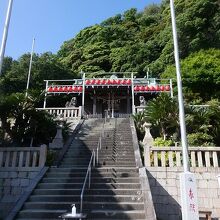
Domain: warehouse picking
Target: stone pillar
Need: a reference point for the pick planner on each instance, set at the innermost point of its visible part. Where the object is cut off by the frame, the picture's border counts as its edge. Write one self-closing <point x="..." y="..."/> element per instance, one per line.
<point x="147" y="142"/>
<point x="94" y="105"/>
<point x="57" y="142"/>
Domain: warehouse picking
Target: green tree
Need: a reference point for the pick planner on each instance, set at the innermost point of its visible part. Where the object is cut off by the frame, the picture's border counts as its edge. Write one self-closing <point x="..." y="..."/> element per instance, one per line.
<point x="200" y="74"/>
<point x="45" y="66"/>
<point x="21" y="120"/>
<point x="162" y="113"/>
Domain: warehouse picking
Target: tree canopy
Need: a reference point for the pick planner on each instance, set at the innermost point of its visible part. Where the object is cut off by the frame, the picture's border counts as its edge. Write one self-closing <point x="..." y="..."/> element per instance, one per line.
<point x="135" y="41"/>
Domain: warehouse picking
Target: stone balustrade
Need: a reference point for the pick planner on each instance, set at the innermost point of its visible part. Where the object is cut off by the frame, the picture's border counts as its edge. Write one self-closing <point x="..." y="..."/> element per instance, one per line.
<point x="23" y="157"/>
<point x="172" y="156"/>
<point x="19" y="168"/>
<point x="65" y="113"/>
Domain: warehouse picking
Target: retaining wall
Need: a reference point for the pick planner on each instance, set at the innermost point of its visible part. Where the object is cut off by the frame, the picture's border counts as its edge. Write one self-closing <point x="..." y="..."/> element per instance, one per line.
<point x="165" y="189"/>
<point x="13" y="182"/>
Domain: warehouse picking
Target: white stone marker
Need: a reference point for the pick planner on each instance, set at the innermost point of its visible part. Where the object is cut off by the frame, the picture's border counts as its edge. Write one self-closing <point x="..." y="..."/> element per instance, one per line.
<point x="189" y="196"/>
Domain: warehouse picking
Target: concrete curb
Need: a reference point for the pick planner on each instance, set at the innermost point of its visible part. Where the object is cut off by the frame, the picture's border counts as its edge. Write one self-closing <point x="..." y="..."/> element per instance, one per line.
<point x="138" y="160"/>
<point x="145" y="187"/>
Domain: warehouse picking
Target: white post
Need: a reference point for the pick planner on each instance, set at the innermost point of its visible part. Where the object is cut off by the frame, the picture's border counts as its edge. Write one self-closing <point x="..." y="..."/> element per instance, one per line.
<point x="132" y="93"/>
<point x="30" y="66"/>
<point x="187" y="179"/>
<point x="5" y="34"/>
<point x="171" y="88"/>
<point x="45" y="96"/>
<point x="83" y="94"/>
<point x="112" y="105"/>
<point x="180" y="94"/>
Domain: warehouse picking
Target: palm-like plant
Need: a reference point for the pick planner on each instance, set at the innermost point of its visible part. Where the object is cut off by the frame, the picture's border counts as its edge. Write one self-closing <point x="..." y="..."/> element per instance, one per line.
<point x="162" y="112"/>
<point x="20" y="120"/>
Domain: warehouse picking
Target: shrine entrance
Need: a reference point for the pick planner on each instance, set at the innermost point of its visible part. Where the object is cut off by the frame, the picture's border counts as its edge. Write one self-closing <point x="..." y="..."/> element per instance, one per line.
<point x="109" y="94"/>
<point x="110" y="102"/>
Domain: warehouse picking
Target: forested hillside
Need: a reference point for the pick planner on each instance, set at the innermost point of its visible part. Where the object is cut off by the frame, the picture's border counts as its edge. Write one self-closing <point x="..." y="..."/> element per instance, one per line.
<point x="136" y="41"/>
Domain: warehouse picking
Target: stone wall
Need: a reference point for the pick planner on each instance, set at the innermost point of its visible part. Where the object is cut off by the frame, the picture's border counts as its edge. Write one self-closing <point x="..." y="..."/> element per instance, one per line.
<point x="13" y="182"/>
<point x="165" y="189"/>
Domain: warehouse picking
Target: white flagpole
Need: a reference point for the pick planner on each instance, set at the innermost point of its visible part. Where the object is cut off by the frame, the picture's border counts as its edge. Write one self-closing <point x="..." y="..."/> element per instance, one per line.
<point x="30" y="66"/>
<point x="5" y="34"/>
<point x="188" y="188"/>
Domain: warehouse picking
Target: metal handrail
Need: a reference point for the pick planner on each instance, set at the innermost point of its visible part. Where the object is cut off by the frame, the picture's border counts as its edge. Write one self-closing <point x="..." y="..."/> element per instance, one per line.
<point x="99" y="145"/>
<point x="88" y="174"/>
<point x="94" y="159"/>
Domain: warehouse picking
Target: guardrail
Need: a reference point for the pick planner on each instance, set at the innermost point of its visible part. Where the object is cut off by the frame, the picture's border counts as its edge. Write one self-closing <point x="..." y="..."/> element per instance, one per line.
<point x="87" y="177"/>
<point x="23" y="156"/>
<point x="172" y="156"/>
<point x="65" y="113"/>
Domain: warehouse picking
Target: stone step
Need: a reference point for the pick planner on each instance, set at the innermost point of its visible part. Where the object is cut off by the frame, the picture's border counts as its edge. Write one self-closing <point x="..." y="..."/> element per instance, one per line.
<point x="86" y="205"/>
<point x="95" y="214"/>
<point x="103" y="156"/>
<point x="88" y="198"/>
<point x="93" y="186"/>
<point x="101" y="160"/>
<point x="102" y="165"/>
<point x="114" y="214"/>
<point x="96" y="169"/>
<point x="130" y="192"/>
<point x="100" y="179"/>
<point x="94" y="175"/>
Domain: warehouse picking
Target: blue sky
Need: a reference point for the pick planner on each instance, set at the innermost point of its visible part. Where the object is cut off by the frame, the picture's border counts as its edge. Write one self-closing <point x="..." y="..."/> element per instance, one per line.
<point x="52" y="22"/>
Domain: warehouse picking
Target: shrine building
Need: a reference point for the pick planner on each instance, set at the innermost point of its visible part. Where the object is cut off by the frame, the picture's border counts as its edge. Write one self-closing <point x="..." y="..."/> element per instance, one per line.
<point x="110" y="94"/>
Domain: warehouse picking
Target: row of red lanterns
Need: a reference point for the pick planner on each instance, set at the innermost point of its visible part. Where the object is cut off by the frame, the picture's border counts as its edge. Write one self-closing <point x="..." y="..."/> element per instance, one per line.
<point x="136" y="88"/>
<point x="108" y="82"/>
<point x="156" y="88"/>
<point x="65" y="89"/>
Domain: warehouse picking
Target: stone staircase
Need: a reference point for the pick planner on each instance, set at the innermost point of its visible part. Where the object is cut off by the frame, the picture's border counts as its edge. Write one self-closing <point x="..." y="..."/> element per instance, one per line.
<point x="115" y="191"/>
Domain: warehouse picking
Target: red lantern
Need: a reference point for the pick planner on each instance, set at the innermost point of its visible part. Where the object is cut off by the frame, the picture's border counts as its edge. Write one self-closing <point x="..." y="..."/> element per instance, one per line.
<point x="102" y="81"/>
<point x="65" y="89"/>
<point x="87" y="82"/>
<point x="97" y="81"/>
<point x="137" y="88"/>
<point x="92" y="82"/>
<point x="108" y="82"/>
<point x="157" y="88"/>
<point x="70" y="89"/>
<point x="167" y="88"/>
<point x="162" y="88"/>
<point x="79" y="89"/>
<point x="146" y="88"/>
<point x="50" y="89"/>
<point x="74" y="89"/>
<point x="55" y="89"/>
<point x="118" y="81"/>
<point x="123" y="82"/>
<point x="128" y="82"/>
<point x="60" y="89"/>
<point x="141" y="88"/>
<point x="151" y="88"/>
<point x="114" y="82"/>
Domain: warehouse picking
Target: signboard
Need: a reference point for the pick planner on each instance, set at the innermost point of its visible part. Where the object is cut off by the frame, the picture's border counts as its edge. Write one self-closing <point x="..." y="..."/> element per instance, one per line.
<point x="189" y="196"/>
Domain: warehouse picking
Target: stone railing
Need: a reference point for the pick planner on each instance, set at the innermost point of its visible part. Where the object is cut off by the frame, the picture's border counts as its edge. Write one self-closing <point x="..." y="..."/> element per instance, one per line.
<point x="65" y="113"/>
<point x="139" y="109"/>
<point x="172" y="156"/>
<point x="23" y="157"/>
